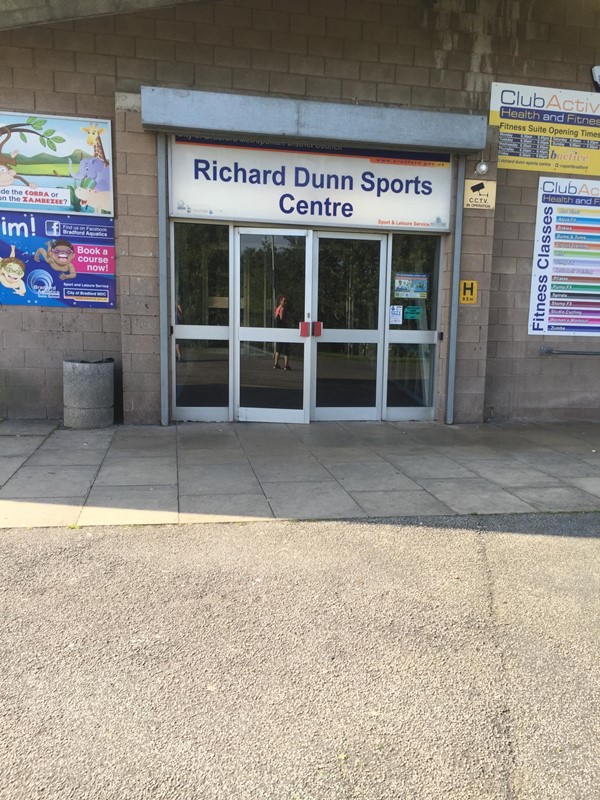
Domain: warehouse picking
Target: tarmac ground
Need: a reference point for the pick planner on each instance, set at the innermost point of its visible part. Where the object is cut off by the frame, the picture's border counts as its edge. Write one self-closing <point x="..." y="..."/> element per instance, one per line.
<point x="438" y="658"/>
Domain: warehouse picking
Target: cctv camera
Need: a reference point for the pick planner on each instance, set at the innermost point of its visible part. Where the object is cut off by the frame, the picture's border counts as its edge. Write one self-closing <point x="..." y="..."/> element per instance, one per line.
<point x="596" y="78"/>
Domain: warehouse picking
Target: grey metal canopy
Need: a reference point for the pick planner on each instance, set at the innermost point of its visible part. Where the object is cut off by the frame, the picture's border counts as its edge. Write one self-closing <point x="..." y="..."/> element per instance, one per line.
<point x="215" y="113"/>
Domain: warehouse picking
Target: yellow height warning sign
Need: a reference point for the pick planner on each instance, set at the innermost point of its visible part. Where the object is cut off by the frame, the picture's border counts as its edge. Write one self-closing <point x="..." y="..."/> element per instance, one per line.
<point x="467" y="293"/>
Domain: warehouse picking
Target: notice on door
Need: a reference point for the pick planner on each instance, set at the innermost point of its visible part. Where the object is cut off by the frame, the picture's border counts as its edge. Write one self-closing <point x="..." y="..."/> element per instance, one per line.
<point x="565" y="281"/>
<point x="409" y="286"/>
<point x="395" y="315"/>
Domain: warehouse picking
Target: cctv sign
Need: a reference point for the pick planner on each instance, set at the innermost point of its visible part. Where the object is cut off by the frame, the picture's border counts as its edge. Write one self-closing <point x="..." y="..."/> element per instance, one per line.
<point x="480" y="194"/>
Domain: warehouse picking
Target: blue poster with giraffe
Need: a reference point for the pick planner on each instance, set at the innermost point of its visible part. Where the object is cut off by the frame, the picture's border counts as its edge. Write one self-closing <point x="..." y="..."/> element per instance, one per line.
<point x="54" y="164"/>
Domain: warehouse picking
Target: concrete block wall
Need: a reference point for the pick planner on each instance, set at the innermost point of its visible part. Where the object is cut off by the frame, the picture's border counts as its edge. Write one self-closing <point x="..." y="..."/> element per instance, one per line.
<point x="137" y="254"/>
<point x="432" y="54"/>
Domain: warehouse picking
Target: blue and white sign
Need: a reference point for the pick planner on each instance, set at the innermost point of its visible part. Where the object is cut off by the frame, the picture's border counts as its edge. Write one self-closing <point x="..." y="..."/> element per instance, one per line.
<point x="309" y="185"/>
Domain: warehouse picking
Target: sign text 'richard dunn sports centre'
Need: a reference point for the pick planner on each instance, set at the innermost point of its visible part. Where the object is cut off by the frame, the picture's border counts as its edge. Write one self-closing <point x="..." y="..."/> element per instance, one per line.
<point x="283" y="184"/>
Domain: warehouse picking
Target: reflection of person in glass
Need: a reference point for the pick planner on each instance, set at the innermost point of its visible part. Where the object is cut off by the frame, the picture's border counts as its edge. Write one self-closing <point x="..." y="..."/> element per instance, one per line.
<point x="281" y="321"/>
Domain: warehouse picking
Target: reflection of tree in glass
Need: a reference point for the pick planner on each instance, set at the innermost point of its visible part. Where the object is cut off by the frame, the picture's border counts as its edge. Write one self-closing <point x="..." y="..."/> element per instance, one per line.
<point x="416" y="255"/>
<point x="271" y="266"/>
<point x="202" y="273"/>
<point x="348" y="283"/>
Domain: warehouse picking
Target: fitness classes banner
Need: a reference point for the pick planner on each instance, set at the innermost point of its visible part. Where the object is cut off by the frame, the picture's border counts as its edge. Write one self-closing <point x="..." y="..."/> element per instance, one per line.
<point x="565" y="288"/>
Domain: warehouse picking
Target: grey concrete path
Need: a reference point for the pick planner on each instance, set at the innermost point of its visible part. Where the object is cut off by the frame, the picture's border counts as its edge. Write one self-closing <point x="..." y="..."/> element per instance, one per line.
<point x="433" y="658"/>
<point x="194" y="473"/>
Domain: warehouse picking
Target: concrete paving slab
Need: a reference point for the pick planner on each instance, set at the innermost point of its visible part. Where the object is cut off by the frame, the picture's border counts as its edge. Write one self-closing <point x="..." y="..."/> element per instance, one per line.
<point x="191" y="436"/>
<point x="61" y="439"/>
<point x="218" y="479"/>
<point x="18" y="445"/>
<point x="265" y="449"/>
<point x="122" y="471"/>
<point x="190" y="457"/>
<point x="67" y="456"/>
<point x="311" y="501"/>
<point x="27" y="427"/>
<point x="465" y="452"/>
<point x="144" y="441"/>
<point x="589" y="450"/>
<point x="338" y="455"/>
<point x="289" y="468"/>
<point x="401" y="504"/>
<point x="471" y="495"/>
<point x="511" y="473"/>
<point x="8" y="466"/>
<point x="590" y="485"/>
<point x="224" y="508"/>
<point x="373" y="432"/>
<point x="323" y="434"/>
<point x="504" y="447"/>
<point x="269" y="442"/>
<point x="130" y="505"/>
<point x="404" y="448"/>
<point x="558" y="498"/>
<point x="431" y="466"/>
<point x="552" y="435"/>
<point x="365" y="476"/>
<point x="557" y="465"/>
<point x="434" y="435"/>
<point x="40" y="483"/>
<point x="147" y="451"/>
<point x="58" y="512"/>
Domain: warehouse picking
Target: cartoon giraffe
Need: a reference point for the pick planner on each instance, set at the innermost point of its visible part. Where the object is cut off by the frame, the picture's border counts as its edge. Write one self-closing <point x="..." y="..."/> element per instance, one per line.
<point x="93" y="138"/>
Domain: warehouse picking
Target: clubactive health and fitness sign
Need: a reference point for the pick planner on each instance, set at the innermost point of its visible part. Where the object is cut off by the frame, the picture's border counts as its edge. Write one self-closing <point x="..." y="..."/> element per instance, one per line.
<point x="549" y="130"/>
<point x="565" y="288"/>
<point x="306" y="185"/>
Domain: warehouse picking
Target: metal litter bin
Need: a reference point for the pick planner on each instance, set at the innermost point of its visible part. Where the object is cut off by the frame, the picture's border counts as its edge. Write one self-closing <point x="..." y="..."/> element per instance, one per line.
<point x="89" y="393"/>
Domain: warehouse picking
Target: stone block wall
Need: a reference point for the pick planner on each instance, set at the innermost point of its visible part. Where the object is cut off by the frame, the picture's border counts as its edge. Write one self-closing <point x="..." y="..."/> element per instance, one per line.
<point x="429" y="54"/>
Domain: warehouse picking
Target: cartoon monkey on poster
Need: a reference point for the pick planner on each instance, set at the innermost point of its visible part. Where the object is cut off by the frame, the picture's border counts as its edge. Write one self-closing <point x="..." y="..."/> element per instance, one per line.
<point x="59" y="256"/>
<point x="8" y="173"/>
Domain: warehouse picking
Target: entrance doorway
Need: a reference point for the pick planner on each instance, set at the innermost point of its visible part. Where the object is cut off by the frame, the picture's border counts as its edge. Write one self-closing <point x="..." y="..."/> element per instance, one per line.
<point x="358" y="336"/>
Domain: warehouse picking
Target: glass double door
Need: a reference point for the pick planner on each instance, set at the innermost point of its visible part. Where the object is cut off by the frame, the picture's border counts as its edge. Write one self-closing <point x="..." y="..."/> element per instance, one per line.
<point x="309" y="325"/>
<point x="359" y="333"/>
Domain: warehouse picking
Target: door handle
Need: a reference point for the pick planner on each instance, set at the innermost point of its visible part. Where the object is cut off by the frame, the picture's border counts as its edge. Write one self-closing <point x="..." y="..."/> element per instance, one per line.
<point x="305" y="329"/>
<point x="317" y="328"/>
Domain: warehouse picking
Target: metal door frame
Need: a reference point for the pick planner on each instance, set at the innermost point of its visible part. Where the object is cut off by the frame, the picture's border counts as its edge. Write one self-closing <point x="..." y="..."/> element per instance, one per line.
<point x="246" y="334"/>
<point x="374" y="336"/>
